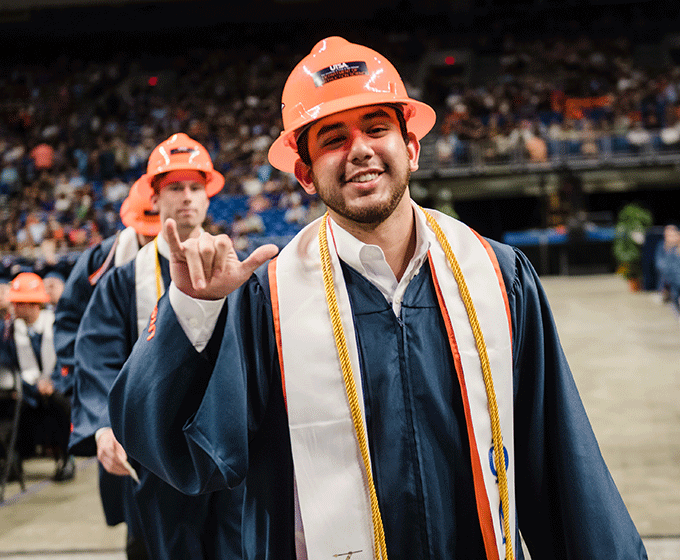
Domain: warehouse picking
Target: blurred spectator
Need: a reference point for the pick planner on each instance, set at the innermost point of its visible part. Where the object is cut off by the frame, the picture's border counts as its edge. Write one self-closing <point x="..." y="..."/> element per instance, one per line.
<point x="670" y="133"/>
<point x="250" y="223"/>
<point x="31" y="235"/>
<point x="535" y="146"/>
<point x="29" y="345"/>
<point x="115" y="190"/>
<point x="4" y="302"/>
<point x="638" y="137"/>
<point x="54" y="286"/>
<point x="667" y="251"/>
<point x="43" y="157"/>
<point x="589" y="146"/>
<point x="296" y="212"/>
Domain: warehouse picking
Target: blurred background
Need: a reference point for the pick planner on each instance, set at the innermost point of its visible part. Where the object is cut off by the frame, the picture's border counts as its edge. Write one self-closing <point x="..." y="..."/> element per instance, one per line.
<point x="558" y="131"/>
<point x="552" y="115"/>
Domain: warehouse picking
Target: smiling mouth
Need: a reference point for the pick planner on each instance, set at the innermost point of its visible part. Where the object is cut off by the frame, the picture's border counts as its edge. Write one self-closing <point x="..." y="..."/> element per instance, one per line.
<point x="364" y="177"/>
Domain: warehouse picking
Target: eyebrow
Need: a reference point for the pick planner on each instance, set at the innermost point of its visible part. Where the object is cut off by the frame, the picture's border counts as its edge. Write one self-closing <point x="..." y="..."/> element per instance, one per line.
<point x="378" y="113"/>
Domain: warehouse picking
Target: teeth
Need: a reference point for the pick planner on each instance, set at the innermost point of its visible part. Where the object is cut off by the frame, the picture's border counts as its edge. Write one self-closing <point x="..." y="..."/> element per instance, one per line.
<point x="364" y="178"/>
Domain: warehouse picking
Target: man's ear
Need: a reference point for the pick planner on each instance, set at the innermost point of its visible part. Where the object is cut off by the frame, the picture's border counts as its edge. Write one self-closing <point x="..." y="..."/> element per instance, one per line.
<point x="154" y="202"/>
<point x="303" y="173"/>
<point x="413" y="150"/>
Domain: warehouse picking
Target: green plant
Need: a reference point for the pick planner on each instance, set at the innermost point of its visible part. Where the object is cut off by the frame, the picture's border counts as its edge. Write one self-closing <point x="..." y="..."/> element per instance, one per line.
<point x="631" y="225"/>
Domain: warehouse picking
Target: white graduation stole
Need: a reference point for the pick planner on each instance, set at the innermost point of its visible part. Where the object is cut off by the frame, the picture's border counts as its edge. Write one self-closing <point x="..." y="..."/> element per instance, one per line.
<point x="329" y="472"/>
<point x="28" y="363"/>
<point x="127" y="246"/>
<point x="146" y="290"/>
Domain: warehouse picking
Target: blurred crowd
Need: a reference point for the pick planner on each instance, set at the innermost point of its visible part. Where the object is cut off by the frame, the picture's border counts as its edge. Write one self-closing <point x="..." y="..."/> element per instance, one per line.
<point x="75" y="133"/>
<point x="558" y="98"/>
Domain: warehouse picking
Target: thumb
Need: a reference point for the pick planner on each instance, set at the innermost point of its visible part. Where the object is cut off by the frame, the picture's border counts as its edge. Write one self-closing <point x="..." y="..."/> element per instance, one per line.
<point x="258" y="257"/>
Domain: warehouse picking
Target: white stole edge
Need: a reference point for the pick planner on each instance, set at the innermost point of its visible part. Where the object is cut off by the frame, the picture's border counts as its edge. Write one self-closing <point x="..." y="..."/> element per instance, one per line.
<point x="331" y="484"/>
<point x="485" y="289"/>
<point x="145" y="281"/>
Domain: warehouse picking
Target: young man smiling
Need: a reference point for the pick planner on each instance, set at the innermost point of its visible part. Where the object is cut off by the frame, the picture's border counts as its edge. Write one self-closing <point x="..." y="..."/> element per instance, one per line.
<point x="395" y="382"/>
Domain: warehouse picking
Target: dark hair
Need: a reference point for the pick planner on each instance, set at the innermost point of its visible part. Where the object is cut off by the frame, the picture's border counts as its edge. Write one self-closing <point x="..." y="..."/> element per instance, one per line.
<point x="303" y="144"/>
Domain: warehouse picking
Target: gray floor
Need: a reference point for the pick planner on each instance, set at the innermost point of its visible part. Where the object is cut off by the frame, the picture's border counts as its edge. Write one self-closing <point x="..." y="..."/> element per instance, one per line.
<point x="624" y="350"/>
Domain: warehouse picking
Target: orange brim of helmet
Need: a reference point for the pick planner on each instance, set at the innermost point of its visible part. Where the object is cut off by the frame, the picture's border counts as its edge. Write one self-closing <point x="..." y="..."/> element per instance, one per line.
<point x="146" y="224"/>
<point x="420" y="118"/>
<point x="214" y="183"/>
<point x="137" y="212"/>
<point x="28" y="297"/>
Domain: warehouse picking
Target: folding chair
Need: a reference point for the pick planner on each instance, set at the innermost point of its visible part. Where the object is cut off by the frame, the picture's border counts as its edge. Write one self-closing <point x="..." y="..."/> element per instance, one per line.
<point x="11" y="390"/>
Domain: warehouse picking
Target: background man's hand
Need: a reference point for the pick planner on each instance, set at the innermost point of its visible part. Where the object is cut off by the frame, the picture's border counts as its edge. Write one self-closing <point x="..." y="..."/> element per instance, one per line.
<point x="207" y="267"/>
<point x="45" y="387"/>
<point x="111" y="454"/>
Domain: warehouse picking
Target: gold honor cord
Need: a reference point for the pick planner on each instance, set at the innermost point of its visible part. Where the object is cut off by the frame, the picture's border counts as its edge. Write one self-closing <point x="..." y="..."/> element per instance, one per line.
<point x="496" y="435"/>
<point x="379" y="545"/>
<point x="159" y="277"/>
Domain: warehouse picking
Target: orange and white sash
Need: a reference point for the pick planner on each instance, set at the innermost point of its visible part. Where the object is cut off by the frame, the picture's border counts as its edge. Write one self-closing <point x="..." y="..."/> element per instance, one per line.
<point x="329" y="471"/>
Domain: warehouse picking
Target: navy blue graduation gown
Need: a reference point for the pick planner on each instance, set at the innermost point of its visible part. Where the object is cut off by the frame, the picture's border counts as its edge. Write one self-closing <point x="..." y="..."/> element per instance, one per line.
<point x="71" y="307"/>
<point x="567" y="503"/>
<point x="173" y="525"/>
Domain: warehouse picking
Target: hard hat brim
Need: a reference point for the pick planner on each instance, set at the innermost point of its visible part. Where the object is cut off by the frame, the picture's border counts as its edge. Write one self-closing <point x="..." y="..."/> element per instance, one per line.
<point x="420" y="122"/>
<point x="28" y="298"/>
<point x="214" y="184"/>
<point x="149" y="229"/>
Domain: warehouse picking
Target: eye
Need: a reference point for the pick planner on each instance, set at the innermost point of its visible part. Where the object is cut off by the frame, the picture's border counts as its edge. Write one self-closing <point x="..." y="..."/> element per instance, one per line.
<point x="332" y="141"/>
<point x="378" y="129"/>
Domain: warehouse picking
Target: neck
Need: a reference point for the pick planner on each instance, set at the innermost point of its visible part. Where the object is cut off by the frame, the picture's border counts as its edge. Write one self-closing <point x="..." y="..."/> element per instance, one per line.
<point x="396" y="236"/>
<point x="31" y="317"/>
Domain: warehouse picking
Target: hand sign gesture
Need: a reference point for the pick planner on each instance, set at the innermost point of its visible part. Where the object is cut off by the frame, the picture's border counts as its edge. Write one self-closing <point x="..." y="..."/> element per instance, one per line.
<point x="207" y="267"/>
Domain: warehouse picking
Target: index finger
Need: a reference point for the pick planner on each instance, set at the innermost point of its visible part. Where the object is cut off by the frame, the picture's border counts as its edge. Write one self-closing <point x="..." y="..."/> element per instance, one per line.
<point x="172" y="237"/>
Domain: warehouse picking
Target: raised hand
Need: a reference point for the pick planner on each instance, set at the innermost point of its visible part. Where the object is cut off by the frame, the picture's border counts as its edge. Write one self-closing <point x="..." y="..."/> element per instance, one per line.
<point x="207" y="267"/>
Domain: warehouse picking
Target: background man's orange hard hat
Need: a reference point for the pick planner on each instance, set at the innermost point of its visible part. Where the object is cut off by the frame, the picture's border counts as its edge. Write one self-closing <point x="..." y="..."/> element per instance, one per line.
<point x="180" y="152"/>
<point x="137" y="212"/>
<point x="27" y="287"/>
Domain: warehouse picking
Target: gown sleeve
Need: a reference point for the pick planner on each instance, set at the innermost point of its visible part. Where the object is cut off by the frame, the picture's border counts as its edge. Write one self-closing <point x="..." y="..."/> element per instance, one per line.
<point x="70" y="309"/>
<point x="102" y="344"/>
<point x="189" y="416"/>
<point x="568" y="505"/>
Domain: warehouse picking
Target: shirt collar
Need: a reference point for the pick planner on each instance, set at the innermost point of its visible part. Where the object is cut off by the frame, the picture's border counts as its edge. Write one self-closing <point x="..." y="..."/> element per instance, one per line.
<point x="363" y="257"/>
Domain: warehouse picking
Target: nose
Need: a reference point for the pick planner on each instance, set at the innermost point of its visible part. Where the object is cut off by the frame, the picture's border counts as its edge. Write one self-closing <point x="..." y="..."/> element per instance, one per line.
<point x="360" y="147"/>
<point x="186" y="191"/>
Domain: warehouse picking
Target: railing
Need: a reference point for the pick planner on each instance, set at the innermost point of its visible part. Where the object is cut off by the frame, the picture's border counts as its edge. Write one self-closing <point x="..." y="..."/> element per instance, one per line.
<point x="468" y="157"/>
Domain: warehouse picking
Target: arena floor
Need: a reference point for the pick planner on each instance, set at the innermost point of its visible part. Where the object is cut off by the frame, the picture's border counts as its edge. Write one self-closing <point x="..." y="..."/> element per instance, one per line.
<point x="624" y="350"/>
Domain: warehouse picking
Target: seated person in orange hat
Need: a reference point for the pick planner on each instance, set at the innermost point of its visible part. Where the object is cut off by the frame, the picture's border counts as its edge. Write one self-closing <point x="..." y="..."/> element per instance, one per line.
<point x="28" y="344"/>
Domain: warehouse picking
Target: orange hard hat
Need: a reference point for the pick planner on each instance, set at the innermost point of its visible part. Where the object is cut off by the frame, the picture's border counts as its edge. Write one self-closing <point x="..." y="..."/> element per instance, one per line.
<point x="335" y="76"/>
<point x="180" y="153"/>
<point x="138" y="212"/>
<point x="27" y="287"/>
